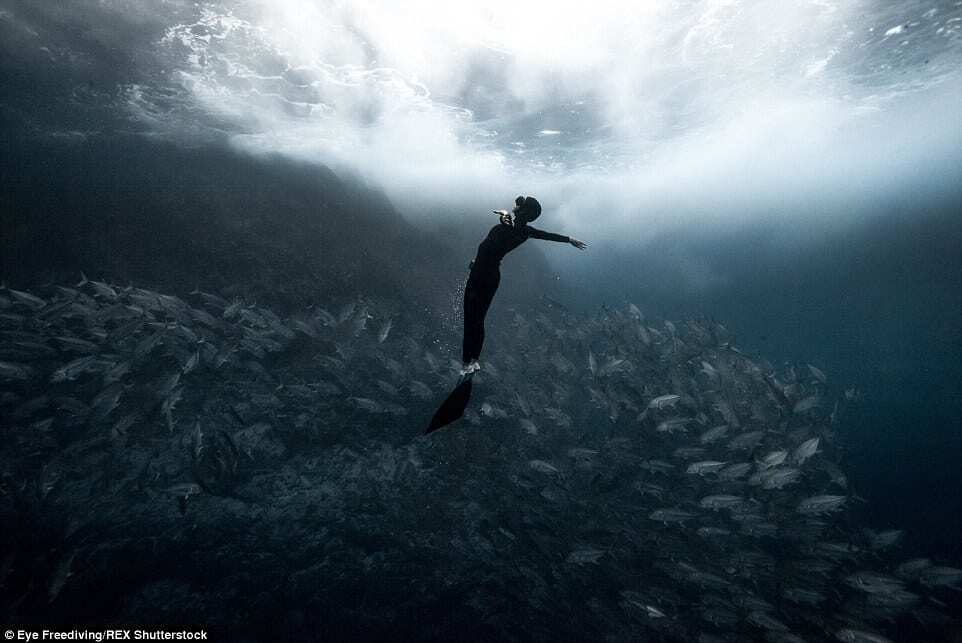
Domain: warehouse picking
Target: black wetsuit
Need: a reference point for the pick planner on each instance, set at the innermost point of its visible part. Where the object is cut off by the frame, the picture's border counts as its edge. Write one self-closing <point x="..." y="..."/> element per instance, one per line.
<point x="486" y="275"/>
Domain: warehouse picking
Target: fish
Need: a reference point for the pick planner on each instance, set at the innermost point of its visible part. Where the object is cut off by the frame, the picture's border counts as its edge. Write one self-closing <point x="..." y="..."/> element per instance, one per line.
<point x="670" y="515"/>
<point x="805" y="405"/>
<point x="14" y="372"/>
<point x="820" y="504"/>
<point x="710" y="372"/>
<point x="191" y="363"/>
<point x="687" y="453"/>
<point x="803" y="596"/>
<point x="346" y="312"/>
<point x="613" y="365"/>
<point x="805" y="450"/>
<point x="584" y="556"/>
<point x="420" y="389"/>
<point x="713" y="434"/>
<point x="76" y="344"/>
<point x="326" y="318"/>
<point x="712" y="532"/>
<point x="706" y="466"/>
<point x="720" y="502"/>
<point x="941" y="576"/>
<point x="73" y="369"/>
<point x="104" y="290"/>
<point x="884" y="539"/>
<point x="543" y="467"/>
<point x="662" y="401"/>
<point x="233" y="309"/>
<point x="772" y="459"/>
<point x="850" y="635"/>
<point x="766" y="621"/>
<point x="558" y="416"/>
<point x="780" y="478"/>
<point x="25" y="298"/>
<point x="745" y="441"/>
<point x="366" y="404"/>
<point x="385" y="330"/>
<point x="60" y="576"/>
<point x="657" y="466"/>
<point x="305" y="326"/>
<point x="873" y="582"/>
<point x="672" y="424"/>
<point x="912" y="569"/>
<point x="727" y="413"/>
<point x="148" y="344"/>
<point x="817" y="373"/>
<point x="167" y="384"/>
<point x="106" y="401"/>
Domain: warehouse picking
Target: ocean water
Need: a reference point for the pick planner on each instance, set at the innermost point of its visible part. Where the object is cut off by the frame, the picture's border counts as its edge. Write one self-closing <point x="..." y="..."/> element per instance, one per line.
<point x="235" y="239"/>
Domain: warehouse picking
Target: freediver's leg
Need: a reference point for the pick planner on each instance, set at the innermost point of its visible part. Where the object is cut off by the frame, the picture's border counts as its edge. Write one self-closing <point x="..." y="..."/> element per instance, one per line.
<point x="473" y="328"/>
<point x="478" y="295"/>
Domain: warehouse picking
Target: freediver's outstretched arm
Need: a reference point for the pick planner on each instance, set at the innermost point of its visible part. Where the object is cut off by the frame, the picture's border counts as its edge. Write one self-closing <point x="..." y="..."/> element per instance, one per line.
<point x="551" y="236"/>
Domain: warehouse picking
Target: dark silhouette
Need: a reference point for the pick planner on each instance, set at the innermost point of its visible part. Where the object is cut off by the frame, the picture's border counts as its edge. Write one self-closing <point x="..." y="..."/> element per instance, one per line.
<point x="485" y="275"/>
<point x="482" y="284"/>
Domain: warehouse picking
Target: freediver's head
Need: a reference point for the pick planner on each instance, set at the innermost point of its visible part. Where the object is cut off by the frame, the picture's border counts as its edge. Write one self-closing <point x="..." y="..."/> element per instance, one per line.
<point x="526" y="209"/>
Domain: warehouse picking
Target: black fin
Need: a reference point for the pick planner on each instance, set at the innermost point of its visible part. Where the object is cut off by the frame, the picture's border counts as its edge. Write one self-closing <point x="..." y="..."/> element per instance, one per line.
<point x="453" y="406"/>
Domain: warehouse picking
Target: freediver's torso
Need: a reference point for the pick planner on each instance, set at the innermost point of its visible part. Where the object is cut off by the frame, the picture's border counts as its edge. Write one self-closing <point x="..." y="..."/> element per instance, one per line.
<point x="504" y="238"/>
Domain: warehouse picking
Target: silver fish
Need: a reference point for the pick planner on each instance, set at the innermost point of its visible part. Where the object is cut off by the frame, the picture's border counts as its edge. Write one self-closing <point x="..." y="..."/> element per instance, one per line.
<point x="544" y="467"/>
<point x="62" y="573"/>
<point x="366" y="404"/>
<point x="25" y="298"/>
<point x="821" y="504"/>
<point x="713" y="434"/>
<point x="705" y="466"/>
<point x="773" y="459"/>
<point x="819" y="375"/>
<point x="584" y="556"/>
<point x="720" y="502"/>
<point x="670" y="515"/>
<point x="14" y="372"/>
<point x="805" y="405"/>
<point x="672" y="424"/>
<point x="663" y="400"/>
<point x="385" y="330"/>
<point x="72" y="369"/>
<point x="849" y="635"/>
<point x="745" y="441"/>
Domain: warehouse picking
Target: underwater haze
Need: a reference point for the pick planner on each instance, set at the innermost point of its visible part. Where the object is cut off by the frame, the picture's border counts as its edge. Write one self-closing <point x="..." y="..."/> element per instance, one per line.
<point x="235" y="239"/>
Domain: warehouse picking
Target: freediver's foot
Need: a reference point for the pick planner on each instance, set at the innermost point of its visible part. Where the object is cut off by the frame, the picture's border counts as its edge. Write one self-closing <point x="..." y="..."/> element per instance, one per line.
<point x="470" y="368"/>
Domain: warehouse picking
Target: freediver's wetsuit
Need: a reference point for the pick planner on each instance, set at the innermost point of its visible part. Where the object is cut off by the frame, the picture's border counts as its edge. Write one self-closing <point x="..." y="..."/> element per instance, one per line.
<point x="486" y="275"/>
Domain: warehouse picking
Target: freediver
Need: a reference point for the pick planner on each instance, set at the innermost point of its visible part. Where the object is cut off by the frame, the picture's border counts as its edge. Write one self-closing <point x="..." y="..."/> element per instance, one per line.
<point x="485" y="275"/>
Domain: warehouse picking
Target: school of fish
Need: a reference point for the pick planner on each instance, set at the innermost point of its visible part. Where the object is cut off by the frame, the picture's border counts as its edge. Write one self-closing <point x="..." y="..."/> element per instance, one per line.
<point x="615" y="477"/>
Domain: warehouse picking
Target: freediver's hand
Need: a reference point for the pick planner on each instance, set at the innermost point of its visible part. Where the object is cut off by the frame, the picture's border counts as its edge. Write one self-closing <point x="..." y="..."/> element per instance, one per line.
<point x="580" y="245"/>
<point x="505" y="217"/>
